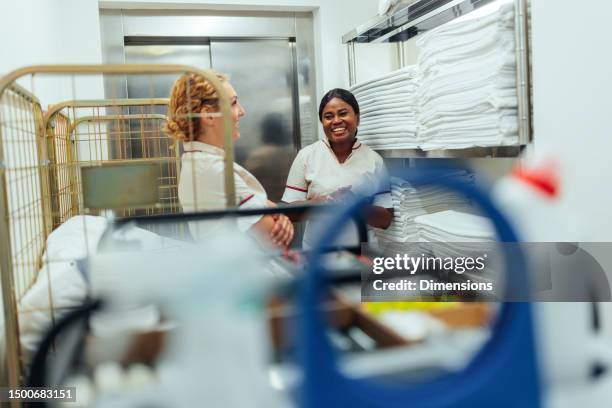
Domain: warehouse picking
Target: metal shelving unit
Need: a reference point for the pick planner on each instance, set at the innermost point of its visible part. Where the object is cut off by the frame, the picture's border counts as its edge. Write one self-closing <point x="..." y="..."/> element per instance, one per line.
<point x="410" y="20"/>
<point x="424" y="15"/>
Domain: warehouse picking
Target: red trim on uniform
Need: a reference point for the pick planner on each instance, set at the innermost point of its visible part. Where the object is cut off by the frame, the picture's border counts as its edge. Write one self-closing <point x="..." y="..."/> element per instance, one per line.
<point x="297" y="189"/>
<point x="246" y="199"/>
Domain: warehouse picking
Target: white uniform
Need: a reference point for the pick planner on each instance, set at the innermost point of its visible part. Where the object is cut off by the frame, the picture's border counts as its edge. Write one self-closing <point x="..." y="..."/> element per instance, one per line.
<point x="316" y="172"/>
<point x="202" y="188"/>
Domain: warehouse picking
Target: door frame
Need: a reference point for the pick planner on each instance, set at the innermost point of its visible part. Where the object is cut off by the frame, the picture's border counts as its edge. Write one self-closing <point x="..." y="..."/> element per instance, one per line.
<point x="121" y="27"/>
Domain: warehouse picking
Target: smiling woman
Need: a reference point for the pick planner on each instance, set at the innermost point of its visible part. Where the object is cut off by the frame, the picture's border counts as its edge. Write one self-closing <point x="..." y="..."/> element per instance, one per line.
<point x="339" y="166"/>
<point x="339" y="115"/>
<point x="194" y="118"/>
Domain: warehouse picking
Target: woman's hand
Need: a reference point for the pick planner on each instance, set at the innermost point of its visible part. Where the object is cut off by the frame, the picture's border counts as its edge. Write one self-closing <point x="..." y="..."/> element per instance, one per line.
<point x="339" y="195"/>
<point x="282" y="231"/>
<point x="319" y="200"/>
<point x="342" y="194"/>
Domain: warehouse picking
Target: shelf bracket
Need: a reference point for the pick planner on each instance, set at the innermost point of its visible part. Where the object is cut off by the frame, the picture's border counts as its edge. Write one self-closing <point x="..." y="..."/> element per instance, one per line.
<point x="350" y="47"/>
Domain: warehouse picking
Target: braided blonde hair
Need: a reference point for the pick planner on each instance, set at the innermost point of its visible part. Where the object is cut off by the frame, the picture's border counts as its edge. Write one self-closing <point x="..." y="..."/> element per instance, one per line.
<point x="191" y="94"/>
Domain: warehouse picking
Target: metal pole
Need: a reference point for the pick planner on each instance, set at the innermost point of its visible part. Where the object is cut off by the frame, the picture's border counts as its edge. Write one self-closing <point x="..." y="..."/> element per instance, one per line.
<point x="523" y="87"/>
<point x="401" y="54"/>
<point x="350" y="46"/>
<point x="297" y="131"/>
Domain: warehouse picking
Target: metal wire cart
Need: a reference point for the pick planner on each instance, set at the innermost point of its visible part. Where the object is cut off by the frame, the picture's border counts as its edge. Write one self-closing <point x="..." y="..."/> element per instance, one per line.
<point x="102" y="132"/>
<point x="65" y="161"/>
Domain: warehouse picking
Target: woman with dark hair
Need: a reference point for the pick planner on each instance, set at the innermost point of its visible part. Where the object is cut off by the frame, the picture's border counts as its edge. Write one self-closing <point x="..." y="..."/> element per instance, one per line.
<point x="340" y="165"/>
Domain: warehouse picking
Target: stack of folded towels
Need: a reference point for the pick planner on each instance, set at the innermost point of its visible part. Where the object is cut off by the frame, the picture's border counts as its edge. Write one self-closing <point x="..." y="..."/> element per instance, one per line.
<point x="467" y="83"/>
<point x="388" y="110"/>
<point x="454" y="226"/>
<point x="410" y="202"/>
<point x="464" y="233"/>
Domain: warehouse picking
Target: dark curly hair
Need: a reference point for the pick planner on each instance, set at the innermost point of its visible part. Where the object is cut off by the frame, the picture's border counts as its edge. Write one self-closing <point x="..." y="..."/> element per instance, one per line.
<point x="339" y="93"/>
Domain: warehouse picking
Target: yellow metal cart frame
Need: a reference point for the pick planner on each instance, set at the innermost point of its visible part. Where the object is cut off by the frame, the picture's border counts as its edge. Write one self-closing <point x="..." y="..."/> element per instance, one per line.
<point x="119" y="138"/>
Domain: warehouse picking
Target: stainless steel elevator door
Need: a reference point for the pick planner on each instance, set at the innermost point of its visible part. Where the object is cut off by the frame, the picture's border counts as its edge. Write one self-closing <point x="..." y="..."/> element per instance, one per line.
<point x="196" y="55"/>
<point x="261" y="71"/>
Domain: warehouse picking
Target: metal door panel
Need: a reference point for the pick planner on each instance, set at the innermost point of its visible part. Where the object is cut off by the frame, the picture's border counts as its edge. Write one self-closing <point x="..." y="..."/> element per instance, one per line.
<point x="144" y="86"/>
<point x="212" y="24"/>
<point x="262" y="72"/>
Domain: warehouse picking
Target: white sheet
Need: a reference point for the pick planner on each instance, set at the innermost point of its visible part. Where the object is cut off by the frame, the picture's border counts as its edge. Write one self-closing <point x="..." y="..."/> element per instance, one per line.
<point x="62" y="286"/>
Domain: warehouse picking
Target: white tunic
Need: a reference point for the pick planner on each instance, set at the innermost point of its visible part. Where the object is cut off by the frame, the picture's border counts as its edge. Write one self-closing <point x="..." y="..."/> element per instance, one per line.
<point x="202" y="187"/>
<point x="316" y="172"/>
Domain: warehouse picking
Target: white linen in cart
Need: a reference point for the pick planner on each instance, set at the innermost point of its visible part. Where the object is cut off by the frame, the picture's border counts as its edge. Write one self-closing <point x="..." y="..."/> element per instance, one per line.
<point x="202" y="188"/>
<point x="60" y="285"/>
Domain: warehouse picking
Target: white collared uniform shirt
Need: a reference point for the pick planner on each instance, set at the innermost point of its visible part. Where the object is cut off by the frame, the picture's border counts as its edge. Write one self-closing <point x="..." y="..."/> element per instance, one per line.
<point x="202" y="188"/>
<point x="316" y="172"/>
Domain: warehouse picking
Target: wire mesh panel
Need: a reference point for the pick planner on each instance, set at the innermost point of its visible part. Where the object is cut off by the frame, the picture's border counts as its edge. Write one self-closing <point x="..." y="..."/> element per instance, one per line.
<point x="105" y="132"/>
<point x="23" y="226"/>
<point x="49" y="181"/>
<point x="23" y="164"/>
<point x="62" y="176"/>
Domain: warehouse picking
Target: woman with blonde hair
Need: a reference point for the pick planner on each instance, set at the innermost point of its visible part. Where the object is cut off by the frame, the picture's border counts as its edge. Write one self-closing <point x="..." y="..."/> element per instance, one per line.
<point x="194" y="118"/>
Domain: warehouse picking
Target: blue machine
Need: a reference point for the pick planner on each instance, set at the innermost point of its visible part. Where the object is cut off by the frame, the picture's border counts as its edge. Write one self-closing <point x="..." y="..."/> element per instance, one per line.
<point x="504" y="373"/>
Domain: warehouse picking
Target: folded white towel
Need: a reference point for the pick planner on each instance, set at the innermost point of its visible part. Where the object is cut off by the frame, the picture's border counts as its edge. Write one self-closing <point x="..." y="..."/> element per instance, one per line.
<point x="410" y="202"/>
<point x="383" y="107"/>
<point x="502" y="18"/>
<point x="394" y="137"/>
<point x="390" y="88"/>
<point x="450" y="223"/>
<point x="400" y="111"/>
<point x="389" y="120"/>
<point x="381" y="130"/>
<point x="402" y="73"/>
<point x="403" y="98"/>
